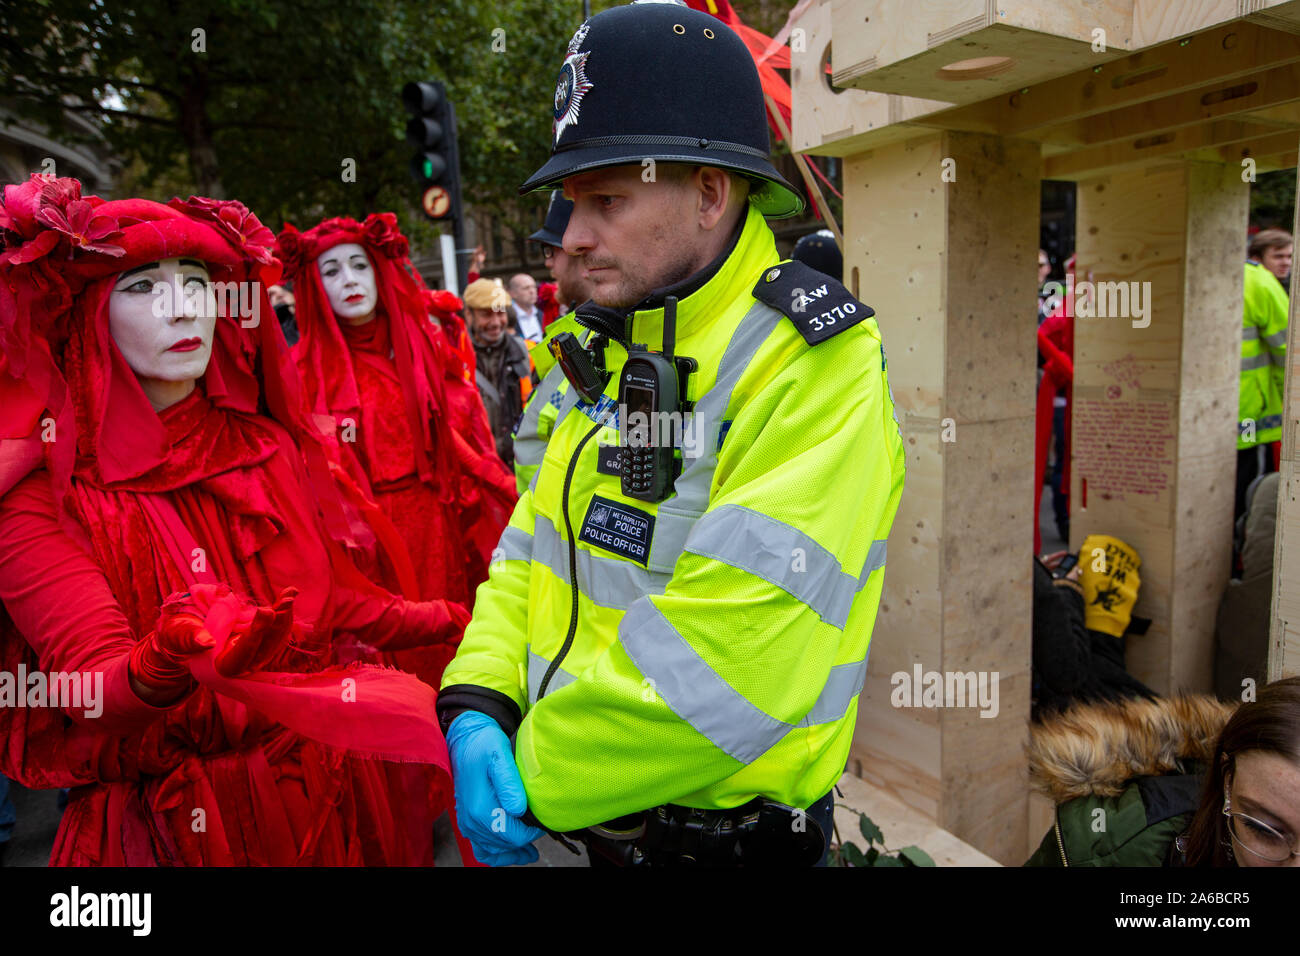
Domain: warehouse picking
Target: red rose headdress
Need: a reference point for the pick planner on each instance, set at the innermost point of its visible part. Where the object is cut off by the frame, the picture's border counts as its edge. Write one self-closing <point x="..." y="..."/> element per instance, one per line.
<point x="60" y="371"/>
<point x="420" y="350"/>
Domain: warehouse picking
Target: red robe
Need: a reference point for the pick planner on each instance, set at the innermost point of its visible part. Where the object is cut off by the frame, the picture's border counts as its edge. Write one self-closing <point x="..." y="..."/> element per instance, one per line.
<point x="141" y="774"/>
<point x="410" y="423"/>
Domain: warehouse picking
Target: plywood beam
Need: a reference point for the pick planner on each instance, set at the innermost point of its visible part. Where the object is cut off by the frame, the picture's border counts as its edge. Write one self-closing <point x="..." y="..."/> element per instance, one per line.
<point x="1285" y="116"/>
<point x="1261" y="147"/>
<point x="1096" y="160"/>
<point x="924" y="49"/>
<point x="1219" y="55"/>
<point x="1219" y="100"/>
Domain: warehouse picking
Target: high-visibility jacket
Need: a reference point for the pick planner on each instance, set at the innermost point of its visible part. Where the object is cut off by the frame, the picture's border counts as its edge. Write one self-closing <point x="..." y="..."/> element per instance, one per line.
<point x="542" y="406"/>
<point x="715" y="645"/>
<point x="1263" y="357"/>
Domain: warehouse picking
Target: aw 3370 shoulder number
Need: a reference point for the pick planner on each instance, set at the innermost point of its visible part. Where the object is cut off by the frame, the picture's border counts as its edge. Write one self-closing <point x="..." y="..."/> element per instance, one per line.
<point x="836" y="313"/>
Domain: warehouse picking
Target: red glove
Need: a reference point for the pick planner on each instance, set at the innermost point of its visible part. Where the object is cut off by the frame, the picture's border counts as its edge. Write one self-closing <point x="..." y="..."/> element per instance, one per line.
<point x="160" y="662"/>
<point x="423" y="624"/>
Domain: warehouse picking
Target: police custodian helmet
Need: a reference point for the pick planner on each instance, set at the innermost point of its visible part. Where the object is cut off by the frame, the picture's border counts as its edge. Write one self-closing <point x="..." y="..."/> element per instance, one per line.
<point x="661" y="81"/>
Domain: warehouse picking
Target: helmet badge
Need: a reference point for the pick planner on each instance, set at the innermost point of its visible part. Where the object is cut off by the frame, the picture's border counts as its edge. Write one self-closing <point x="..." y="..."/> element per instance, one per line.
<point x="578" y="37"/>
<point x="570" y="87"/>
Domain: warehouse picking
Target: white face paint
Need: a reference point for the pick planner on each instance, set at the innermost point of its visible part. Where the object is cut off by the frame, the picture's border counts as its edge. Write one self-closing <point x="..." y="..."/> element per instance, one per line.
<point x="349" y="281"/>
<point x="165" y="337"/>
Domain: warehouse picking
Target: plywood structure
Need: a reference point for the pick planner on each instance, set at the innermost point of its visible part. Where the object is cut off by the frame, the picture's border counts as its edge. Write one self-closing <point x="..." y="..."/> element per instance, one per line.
<point x="943" y="263"/>
<point x="1161" y="127"/>
<point x="967" y="50"/>
<point x="832" y="119"/>
<point x="1284" y="636"/>
<point x="1155" y="398"/>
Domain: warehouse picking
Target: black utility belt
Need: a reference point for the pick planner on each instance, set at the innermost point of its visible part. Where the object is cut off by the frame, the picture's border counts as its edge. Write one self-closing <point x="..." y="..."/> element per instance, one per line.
<point x="759" y="833"/>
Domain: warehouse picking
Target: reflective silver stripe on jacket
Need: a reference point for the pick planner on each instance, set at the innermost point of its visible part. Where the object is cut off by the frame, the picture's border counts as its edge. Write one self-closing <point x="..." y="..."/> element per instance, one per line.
<point x="784" y="556"/>
<point x="842" y="684"/>
<point x="1250" y="332"/>
<point x="607" y="582"/>
<point x="1269" y="421"/>
<point x="677" y="515"/>
<point x="1277" y="339"/>
<point x="537" y="668"/>
<point x="516" y="544"/>
<point x="1254" y="362"/>
<point x="529" y="446"/>
<point x="697" y="694"/>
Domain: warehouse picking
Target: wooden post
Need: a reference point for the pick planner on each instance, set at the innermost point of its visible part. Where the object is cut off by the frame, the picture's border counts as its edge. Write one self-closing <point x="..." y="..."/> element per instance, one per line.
<point x="1284" y="635"/>
<point x="949" y="267"/>
<point x="1155" y="397"/>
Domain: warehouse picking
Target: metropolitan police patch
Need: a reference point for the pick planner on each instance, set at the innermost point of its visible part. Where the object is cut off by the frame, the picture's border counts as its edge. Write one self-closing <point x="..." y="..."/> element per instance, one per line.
<point x="570" y="87"/>
<point x="614" y="526"/>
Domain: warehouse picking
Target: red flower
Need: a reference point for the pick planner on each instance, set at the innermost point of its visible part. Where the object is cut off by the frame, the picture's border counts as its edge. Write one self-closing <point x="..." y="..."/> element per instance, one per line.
<point x="234" y="221"/>
<point x="19" y="207"/>
<point x="291" y="249"/>
<point x="442" y="301"/>
<point x="381" y="233"/>
<point x="78" y="221"/>
<point x="19" y="252"/>
<point x="61" y="192"/>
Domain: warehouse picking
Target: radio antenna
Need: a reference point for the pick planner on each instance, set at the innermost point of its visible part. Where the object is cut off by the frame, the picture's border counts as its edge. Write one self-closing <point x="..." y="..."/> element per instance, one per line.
<point x="670" y="326"/>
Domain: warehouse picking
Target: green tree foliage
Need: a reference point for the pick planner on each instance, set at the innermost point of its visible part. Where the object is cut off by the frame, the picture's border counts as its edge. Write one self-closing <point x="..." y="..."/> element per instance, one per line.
<point x="1272" y="199"/>
<point x="267" y="100"/>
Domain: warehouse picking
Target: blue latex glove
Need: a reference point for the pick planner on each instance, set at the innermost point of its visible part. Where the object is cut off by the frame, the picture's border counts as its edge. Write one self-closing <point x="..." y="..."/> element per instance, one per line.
<point x="490" y="794"/>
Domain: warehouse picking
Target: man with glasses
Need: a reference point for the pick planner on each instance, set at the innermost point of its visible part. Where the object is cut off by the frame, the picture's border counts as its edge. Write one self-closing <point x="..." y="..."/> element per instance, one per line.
<point x="569" y="290"/>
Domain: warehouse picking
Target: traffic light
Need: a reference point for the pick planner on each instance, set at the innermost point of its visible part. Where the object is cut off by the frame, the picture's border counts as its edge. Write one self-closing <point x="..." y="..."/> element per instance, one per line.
<point x="436" y="164"/>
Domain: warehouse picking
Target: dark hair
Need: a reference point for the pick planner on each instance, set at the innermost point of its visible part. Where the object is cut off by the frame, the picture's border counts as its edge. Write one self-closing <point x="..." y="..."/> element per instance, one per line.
<point x="1267" y="239"/>
<point x="1269" y="724"/>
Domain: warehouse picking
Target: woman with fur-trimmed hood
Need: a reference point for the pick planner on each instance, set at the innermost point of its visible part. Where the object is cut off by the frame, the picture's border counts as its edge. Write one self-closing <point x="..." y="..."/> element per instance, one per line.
<point x="1184" y="781"/>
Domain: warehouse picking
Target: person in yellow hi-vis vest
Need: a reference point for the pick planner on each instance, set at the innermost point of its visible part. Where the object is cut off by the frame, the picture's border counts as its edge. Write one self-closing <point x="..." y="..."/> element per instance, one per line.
<point x="1264" y="317"/>
<point x="666" y="660"/>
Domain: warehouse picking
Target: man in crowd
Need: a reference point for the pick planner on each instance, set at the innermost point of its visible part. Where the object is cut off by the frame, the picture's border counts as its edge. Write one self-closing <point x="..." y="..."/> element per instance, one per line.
<point x="1272" y="249"/>
<point x="570" y="289"/>
<point x="1263" y="357"/>
<point x="527" y="316"/>
<point x="504" y="375"/>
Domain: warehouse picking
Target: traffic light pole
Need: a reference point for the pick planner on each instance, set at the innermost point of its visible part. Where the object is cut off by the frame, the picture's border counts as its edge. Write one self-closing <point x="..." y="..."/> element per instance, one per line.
<point x="436" y="167"/>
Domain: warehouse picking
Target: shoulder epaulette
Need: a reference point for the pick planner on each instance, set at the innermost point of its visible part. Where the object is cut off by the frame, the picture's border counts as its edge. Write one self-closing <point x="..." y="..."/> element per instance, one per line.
<point x="818" y="305"/>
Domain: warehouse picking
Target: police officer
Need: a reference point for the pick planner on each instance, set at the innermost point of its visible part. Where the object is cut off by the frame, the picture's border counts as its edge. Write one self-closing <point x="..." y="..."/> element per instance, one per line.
<point x="673" y="678"/>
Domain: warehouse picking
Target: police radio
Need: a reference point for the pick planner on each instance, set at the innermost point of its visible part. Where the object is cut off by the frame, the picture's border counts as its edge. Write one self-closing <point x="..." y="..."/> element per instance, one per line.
<point x="652" y="397"/>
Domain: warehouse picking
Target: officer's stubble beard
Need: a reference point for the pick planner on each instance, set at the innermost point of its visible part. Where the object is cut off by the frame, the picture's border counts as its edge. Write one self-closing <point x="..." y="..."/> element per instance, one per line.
<point x="687" y="257"/>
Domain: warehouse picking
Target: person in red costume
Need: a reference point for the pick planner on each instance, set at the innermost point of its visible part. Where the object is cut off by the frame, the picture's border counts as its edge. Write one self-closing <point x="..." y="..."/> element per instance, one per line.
<point x="171" y="532"/>
<point x="383" y="361"/>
